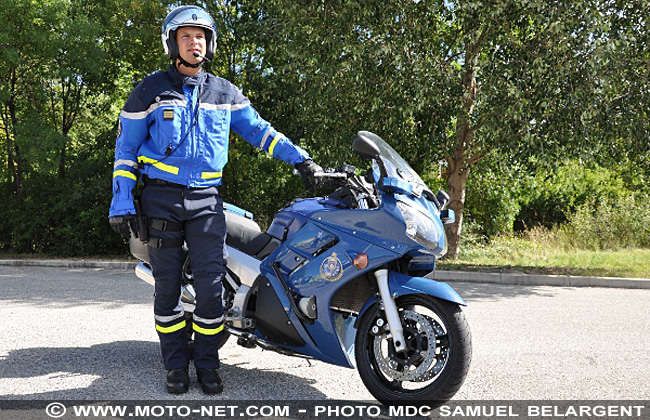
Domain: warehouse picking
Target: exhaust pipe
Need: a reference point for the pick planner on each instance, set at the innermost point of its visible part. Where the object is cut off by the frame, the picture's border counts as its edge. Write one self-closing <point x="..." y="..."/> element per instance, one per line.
<point x="144" y="273"/>
<point x="188" y="294"/>
<point x="188" y="298"/>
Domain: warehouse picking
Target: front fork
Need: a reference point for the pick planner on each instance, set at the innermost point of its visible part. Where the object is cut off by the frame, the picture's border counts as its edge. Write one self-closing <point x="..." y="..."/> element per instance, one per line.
<point x="392" y="315"/>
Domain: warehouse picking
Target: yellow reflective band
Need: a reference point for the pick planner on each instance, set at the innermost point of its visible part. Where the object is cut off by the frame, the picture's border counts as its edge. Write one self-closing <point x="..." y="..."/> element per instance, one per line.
<point x="125" y="174"/>
<point x="210" y="175"/>
<point x="175" y="327"/>
<point x="206" y="331"/>
<point x="274" y="142"/>
<point x="159" y="165"/>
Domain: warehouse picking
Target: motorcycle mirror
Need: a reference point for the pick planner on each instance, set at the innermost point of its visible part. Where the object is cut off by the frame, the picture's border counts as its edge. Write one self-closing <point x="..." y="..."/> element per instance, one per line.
<point x="364" y="146"/>
<point x="443" y="199"/>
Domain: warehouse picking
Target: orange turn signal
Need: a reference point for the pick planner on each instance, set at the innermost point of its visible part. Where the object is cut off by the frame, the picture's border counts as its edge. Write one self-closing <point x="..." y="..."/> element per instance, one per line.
<point x="360" y="261"/>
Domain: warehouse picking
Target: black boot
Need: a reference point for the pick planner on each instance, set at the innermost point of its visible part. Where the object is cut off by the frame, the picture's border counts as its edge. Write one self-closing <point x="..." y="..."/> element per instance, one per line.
<point x="210" y="380"/>
<point x="178" y="381"/>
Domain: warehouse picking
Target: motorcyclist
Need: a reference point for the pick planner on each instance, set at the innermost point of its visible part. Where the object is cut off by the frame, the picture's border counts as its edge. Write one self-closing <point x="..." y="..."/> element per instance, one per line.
<point x="174" y="130"/>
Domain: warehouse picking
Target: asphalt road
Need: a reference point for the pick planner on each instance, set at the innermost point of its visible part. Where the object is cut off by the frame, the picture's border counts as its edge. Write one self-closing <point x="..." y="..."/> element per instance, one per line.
<point x="88" y="334"/>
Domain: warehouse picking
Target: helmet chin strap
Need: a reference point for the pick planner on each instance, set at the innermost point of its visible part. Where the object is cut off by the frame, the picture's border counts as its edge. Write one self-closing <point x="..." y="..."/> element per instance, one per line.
<point x="186" y="64"/>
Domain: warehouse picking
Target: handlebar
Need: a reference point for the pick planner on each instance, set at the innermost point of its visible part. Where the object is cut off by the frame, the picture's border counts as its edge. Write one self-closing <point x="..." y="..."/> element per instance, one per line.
<point x="345" y="176"/>
<point x="331" y="175"/>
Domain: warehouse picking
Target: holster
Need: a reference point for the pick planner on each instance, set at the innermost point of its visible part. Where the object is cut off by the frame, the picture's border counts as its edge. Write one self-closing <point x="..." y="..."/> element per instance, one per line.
<point x="143" y="227"/>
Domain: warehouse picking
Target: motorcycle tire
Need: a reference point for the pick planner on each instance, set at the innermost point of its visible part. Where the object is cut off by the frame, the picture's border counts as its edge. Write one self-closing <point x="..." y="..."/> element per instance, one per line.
<point x="423" y="374"/>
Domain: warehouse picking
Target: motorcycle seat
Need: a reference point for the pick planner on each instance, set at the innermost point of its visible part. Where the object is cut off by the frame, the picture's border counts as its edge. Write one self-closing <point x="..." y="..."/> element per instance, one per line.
<point x="246" y="236"/>
<point x="239" y="230"/>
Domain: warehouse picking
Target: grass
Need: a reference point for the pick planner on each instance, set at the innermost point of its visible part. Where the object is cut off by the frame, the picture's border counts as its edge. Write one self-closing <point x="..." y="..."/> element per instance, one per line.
<point x="535" y="254"/>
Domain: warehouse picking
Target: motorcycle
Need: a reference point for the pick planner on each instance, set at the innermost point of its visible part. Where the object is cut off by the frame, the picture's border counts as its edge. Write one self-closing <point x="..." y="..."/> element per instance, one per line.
<point x="341" y="279"/>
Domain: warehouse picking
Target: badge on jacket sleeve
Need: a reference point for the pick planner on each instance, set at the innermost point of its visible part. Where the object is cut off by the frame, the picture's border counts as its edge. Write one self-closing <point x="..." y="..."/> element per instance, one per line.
<point x="168" y="114"/>
<point x="331" y="268"/>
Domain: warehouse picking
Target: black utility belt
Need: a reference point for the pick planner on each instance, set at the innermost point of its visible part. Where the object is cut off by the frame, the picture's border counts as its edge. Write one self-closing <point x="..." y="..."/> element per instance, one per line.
<point x="154" y="181"/>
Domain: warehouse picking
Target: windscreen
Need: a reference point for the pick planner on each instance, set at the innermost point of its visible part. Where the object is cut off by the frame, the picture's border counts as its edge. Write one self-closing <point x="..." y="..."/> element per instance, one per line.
<point x="396" y="166"/>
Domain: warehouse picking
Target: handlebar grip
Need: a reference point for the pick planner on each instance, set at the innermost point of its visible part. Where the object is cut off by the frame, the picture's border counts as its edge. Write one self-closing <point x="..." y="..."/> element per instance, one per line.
<point x="333" y="175"/>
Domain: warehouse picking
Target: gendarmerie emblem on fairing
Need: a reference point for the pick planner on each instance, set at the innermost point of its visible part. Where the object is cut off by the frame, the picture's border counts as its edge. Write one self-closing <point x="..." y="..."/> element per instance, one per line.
<point x="331" y="268"/>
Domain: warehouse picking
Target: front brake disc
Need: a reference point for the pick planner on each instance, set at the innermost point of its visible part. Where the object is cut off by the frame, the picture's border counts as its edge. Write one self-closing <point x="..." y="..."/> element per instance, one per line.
<point x="426" y="366"/>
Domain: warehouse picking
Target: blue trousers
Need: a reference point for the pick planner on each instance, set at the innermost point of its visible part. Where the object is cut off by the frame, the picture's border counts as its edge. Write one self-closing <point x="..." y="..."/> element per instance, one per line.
<point x="200" y="211"/>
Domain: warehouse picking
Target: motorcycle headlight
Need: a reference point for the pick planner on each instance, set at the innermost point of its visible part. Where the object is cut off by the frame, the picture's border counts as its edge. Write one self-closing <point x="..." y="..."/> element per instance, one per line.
<point x="419" y="227"/>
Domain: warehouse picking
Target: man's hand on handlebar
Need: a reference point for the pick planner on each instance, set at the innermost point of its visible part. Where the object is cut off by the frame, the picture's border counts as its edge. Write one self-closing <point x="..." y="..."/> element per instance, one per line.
<point x="307" y="169"/>
<point x="321" y="177"/>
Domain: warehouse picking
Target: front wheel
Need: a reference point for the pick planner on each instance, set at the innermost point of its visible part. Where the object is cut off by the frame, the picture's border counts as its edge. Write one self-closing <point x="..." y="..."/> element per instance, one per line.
<point x="437" y="356"/>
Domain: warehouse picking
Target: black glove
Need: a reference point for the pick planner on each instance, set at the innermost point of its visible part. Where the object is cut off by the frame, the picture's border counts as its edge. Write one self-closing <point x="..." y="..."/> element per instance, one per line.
<point x="121" y="224"/>
<point x="307" y="169"/>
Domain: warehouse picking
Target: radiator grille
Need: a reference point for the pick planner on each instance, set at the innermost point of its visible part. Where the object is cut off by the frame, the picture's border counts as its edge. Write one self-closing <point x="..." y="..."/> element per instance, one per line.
<point x="352" y="296"/>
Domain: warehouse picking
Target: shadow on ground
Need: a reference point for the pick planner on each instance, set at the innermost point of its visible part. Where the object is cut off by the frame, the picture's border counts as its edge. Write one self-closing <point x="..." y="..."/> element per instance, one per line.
<point x="130" y="370"/>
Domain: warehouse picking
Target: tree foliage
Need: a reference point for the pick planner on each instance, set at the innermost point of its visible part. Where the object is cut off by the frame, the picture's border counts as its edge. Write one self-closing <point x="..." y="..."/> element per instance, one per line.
<point x="517" y="87"/>
<point x="65" y="67"/>
<point x="458" y="80"/>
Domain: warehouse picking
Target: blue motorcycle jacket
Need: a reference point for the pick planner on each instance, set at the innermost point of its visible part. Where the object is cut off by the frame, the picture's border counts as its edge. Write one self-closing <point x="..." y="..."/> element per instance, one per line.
<point x="176" y="128"/>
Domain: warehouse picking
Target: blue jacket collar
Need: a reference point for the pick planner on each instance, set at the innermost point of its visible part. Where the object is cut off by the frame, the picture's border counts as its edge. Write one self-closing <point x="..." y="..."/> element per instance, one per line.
<point x="180" y="79"/>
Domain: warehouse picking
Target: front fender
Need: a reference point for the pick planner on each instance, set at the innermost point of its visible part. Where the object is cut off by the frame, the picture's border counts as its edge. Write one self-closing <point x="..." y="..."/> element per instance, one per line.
<point x="401" y="285"/>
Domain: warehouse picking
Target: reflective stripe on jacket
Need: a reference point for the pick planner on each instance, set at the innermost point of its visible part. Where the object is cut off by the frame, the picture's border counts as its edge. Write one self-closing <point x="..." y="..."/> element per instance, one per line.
<point x="177" y="138"/>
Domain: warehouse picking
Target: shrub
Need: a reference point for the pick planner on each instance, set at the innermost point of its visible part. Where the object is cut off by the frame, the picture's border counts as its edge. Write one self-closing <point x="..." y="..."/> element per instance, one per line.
<point x="492" y="197"/>
<point x="614" y="224"/>
<point x="551" y="196"/>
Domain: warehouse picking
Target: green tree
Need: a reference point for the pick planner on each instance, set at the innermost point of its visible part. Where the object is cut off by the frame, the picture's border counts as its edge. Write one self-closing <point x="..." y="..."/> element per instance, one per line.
<point x="450" y="80"/>
<point x="537" y="82"/>
<point x="66" y="68"/>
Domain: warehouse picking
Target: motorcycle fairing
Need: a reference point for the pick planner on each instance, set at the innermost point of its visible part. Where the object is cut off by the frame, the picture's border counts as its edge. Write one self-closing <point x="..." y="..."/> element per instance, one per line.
<point x="302" y="271"/>
<point x="271" y="319"/>
<point x="377" y="226"/>
<point x="296" y="213"/>
<point x="307" y="280"/>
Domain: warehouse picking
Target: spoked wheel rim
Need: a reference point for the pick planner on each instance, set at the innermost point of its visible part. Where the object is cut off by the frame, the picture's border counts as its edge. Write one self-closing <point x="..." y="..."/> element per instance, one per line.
<point x="427" y="350"/>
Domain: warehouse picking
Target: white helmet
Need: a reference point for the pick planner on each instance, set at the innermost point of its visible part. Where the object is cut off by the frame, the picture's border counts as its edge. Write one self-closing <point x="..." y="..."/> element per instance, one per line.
<point x="188" y="16"/>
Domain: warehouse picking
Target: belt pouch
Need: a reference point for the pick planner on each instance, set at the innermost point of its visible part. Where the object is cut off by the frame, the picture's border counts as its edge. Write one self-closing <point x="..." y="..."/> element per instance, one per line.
<point x="143" y="229"/>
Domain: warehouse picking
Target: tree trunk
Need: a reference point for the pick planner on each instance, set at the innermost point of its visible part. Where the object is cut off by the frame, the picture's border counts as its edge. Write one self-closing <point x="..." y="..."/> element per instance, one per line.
<point x="456" y="184"/>
<point x="459" y="163"/>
